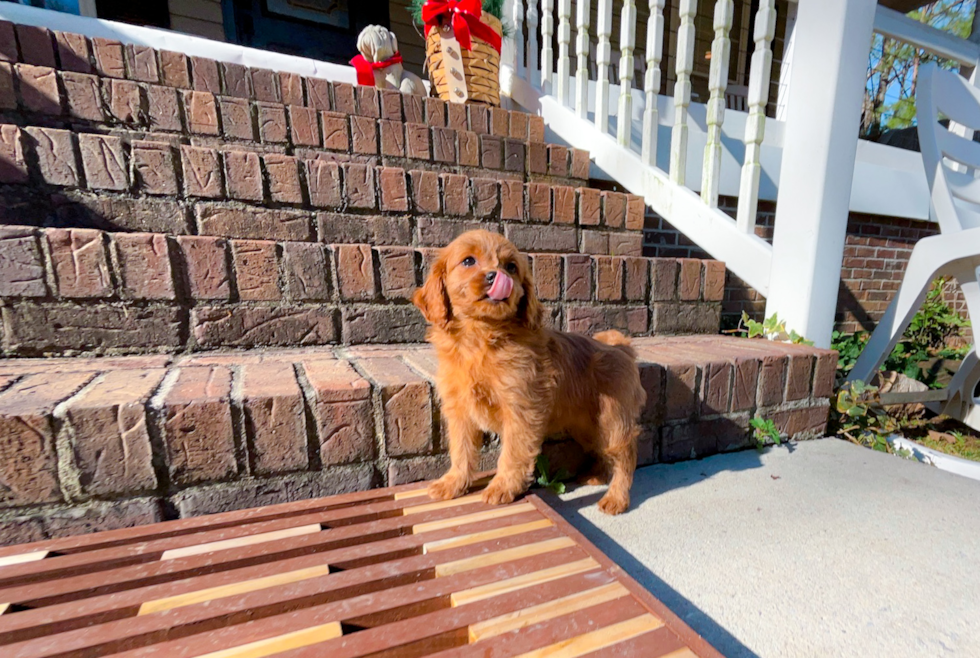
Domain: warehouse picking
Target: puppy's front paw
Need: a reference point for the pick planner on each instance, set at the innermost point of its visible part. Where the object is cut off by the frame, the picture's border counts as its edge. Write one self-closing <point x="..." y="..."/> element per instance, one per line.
<point x="447" y="487"/>
<point x="497" y="493"/>
<point x="612" y="505"/>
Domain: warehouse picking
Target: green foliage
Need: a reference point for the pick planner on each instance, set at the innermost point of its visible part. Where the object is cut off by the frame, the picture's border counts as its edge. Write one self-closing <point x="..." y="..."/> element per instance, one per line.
<point x="936" y="322"/>
<point x="492" y="7"/>
<point x="857" y="414"/>
<point x="765" y="431"/>
<point x="926" y="337"/>
<point x="893" y="66"/>
<point x="770" y="329"/>
<point x="848" y="348"/>
<point x="554" y="483"/>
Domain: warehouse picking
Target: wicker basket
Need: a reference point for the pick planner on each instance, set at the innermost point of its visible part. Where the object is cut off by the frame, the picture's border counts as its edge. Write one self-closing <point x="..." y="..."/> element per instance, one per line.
<point x="481" y="66"/>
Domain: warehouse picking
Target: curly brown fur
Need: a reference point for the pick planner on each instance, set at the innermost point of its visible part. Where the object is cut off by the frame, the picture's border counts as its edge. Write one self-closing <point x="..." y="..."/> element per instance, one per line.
<point x="501" y="371"/>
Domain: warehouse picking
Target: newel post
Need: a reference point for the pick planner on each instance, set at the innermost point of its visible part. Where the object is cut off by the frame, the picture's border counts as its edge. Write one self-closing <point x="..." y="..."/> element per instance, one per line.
<point x="832" y="45"/>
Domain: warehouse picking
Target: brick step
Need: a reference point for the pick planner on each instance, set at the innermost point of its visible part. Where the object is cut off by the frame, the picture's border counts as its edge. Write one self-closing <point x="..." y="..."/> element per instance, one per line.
<point x="91" y="291"/>
<point x="64" y="80"/>
<point x="98" y="181"/>
<point x="111" y="442"/>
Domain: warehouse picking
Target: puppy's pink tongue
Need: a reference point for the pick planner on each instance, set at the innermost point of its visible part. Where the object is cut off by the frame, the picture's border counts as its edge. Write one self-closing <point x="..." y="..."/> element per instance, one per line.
<point x="501" y="287"/>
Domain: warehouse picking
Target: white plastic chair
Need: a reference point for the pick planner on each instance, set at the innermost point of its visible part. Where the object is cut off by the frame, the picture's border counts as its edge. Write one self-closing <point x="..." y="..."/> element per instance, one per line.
<point x="952" y="164"/>
<point x="737" y="98"/>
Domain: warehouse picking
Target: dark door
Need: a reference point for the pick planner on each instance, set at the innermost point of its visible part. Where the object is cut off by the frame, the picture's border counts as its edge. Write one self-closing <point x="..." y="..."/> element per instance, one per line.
<point x="320" y="29"/>
<point x="154" y="13"/>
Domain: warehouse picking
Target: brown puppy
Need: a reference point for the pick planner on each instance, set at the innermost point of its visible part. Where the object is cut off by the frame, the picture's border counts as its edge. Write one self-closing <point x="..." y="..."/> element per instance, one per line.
<point x="501" y="371"/>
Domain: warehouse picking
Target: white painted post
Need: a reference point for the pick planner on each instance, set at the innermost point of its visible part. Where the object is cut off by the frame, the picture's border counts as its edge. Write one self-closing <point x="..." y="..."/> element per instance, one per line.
<point x="531" y="75"/>
<point x="547" y="34"/>
<point x="627" y="40"/>
<point x="602" y="57"/>
<point x="564" y="38"/>
<point x="833" y="39"/>
<point x="682" y="90"/>
<point x="717" y="82"/>
<point x="651" y="81"/>
<point x="583" y="9"/>
<point x="755" y="126"/>
<point x="786" y="66"/>
<point x="517" y="21"/>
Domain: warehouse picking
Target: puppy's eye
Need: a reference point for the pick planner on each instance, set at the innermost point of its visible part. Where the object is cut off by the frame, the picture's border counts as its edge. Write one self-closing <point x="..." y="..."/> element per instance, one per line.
<point x="469" y="261"/>
<point x="511" y="267"/>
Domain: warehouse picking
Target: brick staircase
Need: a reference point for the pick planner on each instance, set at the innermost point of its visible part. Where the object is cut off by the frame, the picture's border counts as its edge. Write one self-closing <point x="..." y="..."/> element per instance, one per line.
<point x="205" y="274"/>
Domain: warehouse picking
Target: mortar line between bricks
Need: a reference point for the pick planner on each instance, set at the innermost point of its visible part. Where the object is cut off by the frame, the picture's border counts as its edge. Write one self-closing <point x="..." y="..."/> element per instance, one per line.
<point x="244" y="450"/>
<point x="157" y="431"/>
<point x="314" y="458"/>
<point x="383" y="459"/>
<point x="69" y="478"/>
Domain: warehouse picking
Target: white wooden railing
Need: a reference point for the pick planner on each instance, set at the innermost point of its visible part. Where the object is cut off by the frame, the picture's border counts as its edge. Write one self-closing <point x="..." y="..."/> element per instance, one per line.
<point x="588" y="109"/>
<point x="569" y="93"/>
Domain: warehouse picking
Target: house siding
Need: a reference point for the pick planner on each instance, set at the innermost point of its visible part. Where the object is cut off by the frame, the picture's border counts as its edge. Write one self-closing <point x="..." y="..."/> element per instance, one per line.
<point x="201" y="18"/>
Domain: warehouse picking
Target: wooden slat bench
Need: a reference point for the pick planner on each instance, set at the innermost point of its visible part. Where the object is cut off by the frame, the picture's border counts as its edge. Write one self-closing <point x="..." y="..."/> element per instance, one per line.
<point x="378" y="573"/>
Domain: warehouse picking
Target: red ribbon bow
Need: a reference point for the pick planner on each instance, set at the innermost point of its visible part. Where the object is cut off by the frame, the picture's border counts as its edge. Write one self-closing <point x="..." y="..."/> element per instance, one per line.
<point x="365" y="69"/>
<point x="464" y="15"/>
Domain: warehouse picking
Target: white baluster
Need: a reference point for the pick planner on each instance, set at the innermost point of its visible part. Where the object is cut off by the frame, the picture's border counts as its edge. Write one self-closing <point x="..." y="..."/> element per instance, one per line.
<point x="583" y="16"/>
<point x="717" y="82"/>
<point x="602" y="57"/>
<point x="755" y="125"/>
<point x="508" y="47"/>
<point x="627" y="39"/>
<point x="651" y="80"/>
<point x="564" y="38"/>
<point x="547" y="34"/>
<point x="682" y="90"/>
<point x="517" y="19"/>
<point x="532" y="41"/>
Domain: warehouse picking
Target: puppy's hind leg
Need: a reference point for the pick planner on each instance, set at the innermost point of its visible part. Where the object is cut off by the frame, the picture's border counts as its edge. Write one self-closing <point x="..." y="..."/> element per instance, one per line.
<point x="618" y="434"/>
<point x="464" y="451"/>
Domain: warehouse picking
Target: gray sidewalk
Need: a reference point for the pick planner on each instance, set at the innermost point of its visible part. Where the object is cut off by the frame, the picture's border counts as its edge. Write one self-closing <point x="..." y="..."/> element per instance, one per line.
<point x="815" y="549"/>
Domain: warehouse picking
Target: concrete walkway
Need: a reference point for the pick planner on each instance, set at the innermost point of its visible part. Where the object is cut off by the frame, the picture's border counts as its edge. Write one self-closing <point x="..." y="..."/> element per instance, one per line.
<point x="816" y="549"/>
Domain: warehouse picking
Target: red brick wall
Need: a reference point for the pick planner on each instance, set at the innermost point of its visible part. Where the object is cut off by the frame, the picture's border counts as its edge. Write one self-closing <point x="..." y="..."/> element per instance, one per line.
<point x="876" y="254"/>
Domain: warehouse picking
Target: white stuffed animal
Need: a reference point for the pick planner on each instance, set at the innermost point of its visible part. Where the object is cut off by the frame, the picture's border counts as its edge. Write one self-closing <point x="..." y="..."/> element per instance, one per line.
<point x="378" y="44"/>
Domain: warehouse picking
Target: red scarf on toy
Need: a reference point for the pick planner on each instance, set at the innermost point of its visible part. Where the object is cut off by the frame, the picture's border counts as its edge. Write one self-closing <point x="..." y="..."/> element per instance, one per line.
<point x="464" y="16"/>
<point x="365" y="69"/>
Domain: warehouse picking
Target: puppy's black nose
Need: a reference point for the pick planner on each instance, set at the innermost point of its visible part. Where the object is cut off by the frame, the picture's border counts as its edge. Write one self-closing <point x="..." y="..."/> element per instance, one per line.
<point x="491" y="276"/>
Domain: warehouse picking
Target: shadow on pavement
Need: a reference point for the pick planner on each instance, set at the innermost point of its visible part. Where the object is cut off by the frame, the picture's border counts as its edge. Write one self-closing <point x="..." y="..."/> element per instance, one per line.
<point x="650" y="482"/>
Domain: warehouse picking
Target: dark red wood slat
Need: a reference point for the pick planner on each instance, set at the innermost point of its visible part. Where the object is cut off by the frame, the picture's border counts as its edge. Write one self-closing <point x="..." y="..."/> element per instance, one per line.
<point x="100" y="609"/>
<point x="59" y="590"/>
<point x="158" y="627"/>
<point x="382" y="638"/>
<point x="361" y="565"/>
<point x="147" y="551"/>
<point x="538" y="636"/>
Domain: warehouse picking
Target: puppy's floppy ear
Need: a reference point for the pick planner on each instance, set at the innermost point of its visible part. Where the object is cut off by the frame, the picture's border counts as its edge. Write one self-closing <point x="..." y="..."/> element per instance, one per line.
<point x="394" y="41"/>
<point x="529" y="309"/>
<point x="432" y="298"/>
